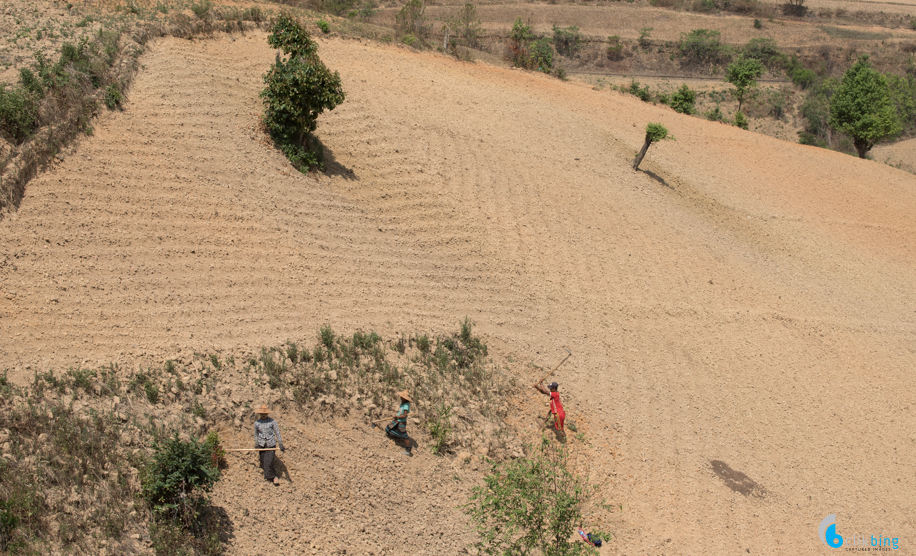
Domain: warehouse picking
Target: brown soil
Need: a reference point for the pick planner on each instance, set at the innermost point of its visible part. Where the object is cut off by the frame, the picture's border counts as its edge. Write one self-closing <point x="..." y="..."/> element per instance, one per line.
<point x="742" y="300"/>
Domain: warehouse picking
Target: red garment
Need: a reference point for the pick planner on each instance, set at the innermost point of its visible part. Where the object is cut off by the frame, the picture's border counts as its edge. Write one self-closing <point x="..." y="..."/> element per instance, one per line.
<point x="556" y="407"/>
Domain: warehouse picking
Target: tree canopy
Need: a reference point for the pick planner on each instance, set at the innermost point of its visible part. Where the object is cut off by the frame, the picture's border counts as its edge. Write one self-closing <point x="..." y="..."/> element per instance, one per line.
<point x="862" y="107"/>
<point x="743" y="75"/>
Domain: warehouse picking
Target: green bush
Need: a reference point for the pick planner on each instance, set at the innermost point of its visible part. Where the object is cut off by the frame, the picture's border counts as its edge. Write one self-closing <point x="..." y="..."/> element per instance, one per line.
<point x="299" y="88"/>
<point x="324" y="26"/>
<point x="174" y="483"/>
<point x="18" y="113"/>
<point x="519" y="39"/>
<point x="532" y="505"/>
<point x="701" y="47"/>
<point x="202" y="8"/>
<point x="440" y="428"/>
<point x="741" y="120"/>
<point x="758" y="24"/>
<point x="113" y="96"/>
<point x="614" y="48"/>
<point x="683" y="100"/>
<point x="567" y="40"/>
<point x="642" y="93"/>
<point x="766" y="51"/>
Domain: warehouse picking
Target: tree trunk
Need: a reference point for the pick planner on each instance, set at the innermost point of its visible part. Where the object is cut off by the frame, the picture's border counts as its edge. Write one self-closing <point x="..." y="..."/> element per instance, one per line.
<point x="862" y="146"/>
<point x="642" y="153"/>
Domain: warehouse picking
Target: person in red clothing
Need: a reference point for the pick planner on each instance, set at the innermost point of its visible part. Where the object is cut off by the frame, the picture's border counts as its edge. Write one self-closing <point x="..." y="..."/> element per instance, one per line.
<point x="556" y="406"/>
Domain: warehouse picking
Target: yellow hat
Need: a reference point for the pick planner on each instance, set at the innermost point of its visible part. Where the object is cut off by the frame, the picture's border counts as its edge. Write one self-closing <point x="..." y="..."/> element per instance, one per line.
<point x="404" y="395"/>
<point x="262" y="409"/>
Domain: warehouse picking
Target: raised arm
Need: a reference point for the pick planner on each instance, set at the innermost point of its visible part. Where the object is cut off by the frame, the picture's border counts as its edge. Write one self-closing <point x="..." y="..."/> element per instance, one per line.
<point x="540" y="388"/>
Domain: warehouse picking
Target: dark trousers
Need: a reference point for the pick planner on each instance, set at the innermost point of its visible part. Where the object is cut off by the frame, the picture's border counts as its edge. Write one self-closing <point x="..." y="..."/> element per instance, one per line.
<point x="267" y="464"/>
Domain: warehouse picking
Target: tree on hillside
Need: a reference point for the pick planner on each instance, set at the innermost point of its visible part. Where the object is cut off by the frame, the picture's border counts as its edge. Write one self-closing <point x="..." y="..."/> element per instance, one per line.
<point x="743" y="75"/>
<point x="299" y="88"/>
<point x="862" y="107"/>
<point x="654" y="134"/>
<point x="466" y="25"/>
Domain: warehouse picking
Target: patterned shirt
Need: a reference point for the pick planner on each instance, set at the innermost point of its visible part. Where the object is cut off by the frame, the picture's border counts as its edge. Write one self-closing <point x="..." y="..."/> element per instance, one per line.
<point x="267" y="433"/>
<point x="403" y="412"/>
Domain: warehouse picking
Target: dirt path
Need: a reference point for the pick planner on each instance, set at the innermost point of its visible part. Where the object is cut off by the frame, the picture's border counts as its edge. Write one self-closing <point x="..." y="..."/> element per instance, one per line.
<point x="743" y="300"/>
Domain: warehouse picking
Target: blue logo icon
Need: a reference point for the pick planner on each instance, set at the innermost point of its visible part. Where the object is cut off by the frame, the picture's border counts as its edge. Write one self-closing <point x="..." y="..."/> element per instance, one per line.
<point x="827" y="532"/>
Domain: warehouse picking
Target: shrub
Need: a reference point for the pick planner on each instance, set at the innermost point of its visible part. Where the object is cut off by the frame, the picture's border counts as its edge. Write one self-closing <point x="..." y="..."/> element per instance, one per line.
<point x="113" y="96"/>
<point x="299" y="88"/>
<point x="642" y="93"/>
<point x="701" y="47"/>
<point x="644" y="34"/>
<point x="18" y="113"/>
<point x="409" y="39"/>
<point x="527" y="51"/>
<point x="714" y="114"/>
<point x="519" y="39"/>
<point x="741" y="120"/>
<point x="567" y="40"/>
<point x="202" y="8"/>
<point x="323" y="25"/>
<point x="614" y="48"/>
<point x="174" y="483"/>
<point x="766" y="51"/>
<point x="757" y="24"/>
<point x="440" y="428"/>
<point x="683" y="100"/>
<point x="531" y="505"/>
<point x="795" y="8"/>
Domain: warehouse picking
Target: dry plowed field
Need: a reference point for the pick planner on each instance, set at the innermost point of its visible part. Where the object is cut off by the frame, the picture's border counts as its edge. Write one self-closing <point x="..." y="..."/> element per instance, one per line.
<point x="742" y="300"/>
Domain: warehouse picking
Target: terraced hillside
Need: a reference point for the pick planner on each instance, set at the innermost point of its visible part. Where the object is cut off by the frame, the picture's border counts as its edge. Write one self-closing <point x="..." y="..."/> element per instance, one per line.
<point x="744" y="305"/>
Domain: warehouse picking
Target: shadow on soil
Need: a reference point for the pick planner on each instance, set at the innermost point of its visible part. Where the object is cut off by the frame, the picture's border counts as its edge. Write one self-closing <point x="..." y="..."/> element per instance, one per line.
<point x="334" y="168"/>
<point x="657" y="178"/>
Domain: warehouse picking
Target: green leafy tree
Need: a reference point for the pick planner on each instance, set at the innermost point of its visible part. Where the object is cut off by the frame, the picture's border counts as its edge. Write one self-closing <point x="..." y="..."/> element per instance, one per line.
<point x="299" y="88"/>
<point x="654" y="134"/>
<point x="743" y="74"/>
<point x="531" y="505"/>
<point x="702" y="47"/>
<point x="862" y="107"/>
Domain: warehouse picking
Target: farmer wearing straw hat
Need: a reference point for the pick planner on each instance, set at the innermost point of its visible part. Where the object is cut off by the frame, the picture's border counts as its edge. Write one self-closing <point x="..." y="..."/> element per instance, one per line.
<point x="398" y="427"/>
<point x="267" y="435"/>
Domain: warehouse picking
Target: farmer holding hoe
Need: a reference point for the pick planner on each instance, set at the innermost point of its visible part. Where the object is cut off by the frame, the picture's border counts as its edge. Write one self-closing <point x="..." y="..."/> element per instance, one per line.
<point x="556" y="407"/>
<point x="267" y="435"/>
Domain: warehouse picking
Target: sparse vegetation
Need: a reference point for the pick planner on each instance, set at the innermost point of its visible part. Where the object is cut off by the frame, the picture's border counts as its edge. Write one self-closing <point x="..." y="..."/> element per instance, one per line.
<point x="411" y="21"/>
<point x="323" y="26"/>
<point x="440" y="428"/>
<point x="528" y="51"/>
<point x="299" y="88"/>
<point x="701" y="48"/>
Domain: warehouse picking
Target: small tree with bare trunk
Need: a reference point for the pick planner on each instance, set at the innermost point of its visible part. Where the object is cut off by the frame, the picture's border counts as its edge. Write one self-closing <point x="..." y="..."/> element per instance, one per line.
<point x="654" y="134"/>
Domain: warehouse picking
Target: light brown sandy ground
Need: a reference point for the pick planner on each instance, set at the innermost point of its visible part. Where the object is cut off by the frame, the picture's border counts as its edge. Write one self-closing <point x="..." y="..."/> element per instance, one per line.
<point x="751" y="303"/>
<point x="900" y="155"/>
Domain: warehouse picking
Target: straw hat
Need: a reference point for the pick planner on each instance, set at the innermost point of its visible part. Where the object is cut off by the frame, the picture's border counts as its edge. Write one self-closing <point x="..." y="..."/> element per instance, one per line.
<point x="262" y="409"/>
<point x="403" y="394"/>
